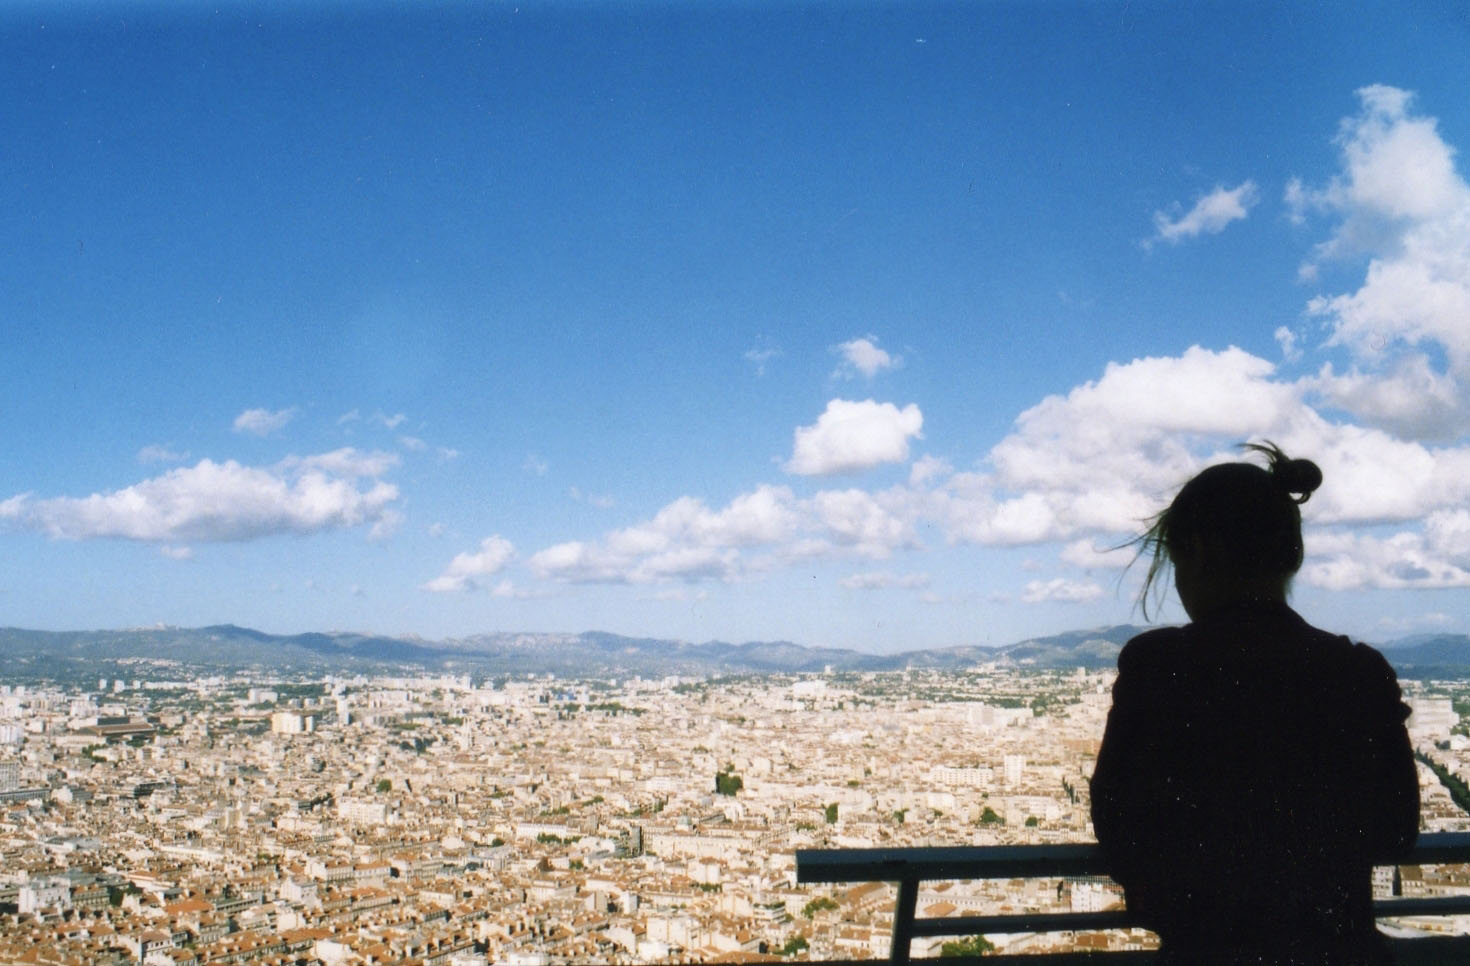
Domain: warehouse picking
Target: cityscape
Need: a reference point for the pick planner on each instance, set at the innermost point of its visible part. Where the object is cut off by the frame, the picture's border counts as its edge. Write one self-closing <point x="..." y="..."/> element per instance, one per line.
<point x="174" y="815"/>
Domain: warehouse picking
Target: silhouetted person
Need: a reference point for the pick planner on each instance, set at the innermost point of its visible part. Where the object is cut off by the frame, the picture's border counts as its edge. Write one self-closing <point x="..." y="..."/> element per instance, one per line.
<point x="1254" y="768"/>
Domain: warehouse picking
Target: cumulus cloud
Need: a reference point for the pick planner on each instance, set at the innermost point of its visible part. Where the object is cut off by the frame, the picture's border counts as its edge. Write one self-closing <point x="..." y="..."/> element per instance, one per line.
<point x="863" y="356"/>
<point x="1287" y="339"/>
<point x="1089" y="554"/>
<point x="263" y="422"/>
<point x="213" y="502"/>
<point x="866" y="523"/>
<point x="926" y="468"/>
<point x="346" y="461"/>
<point x="1210" y="215"/>
<point x="1435" y="557"/>
<point x="851" y="436"/>
<point x="1400" y="201"/>
<point x="1106" y="456"/>
<point x="1408" y="397"/>
<point x="1060" y="589"/>
<point x="1099" y="459"/>
<point x="757" y="530"/>
<point x="467" y="570"/>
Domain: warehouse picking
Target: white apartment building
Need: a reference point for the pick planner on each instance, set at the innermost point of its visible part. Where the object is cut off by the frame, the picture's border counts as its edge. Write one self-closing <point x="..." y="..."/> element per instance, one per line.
<point x="292" y="723"/>
<point x="363" y="811"/>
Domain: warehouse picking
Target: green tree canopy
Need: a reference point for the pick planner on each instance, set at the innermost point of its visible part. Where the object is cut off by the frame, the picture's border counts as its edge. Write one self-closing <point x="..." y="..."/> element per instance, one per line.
<point x="972" y="946"/>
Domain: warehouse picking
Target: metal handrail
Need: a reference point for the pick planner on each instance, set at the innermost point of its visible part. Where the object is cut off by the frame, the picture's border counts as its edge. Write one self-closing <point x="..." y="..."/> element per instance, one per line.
<point x="909" y="867"/>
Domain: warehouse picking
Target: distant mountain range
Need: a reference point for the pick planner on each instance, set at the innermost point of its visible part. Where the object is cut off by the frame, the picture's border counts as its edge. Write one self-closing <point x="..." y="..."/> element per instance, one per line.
<point x="599" y="653"/>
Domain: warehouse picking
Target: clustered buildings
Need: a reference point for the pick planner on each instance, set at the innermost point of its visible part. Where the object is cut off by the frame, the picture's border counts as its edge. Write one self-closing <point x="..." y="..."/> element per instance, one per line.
<point x="354" y="821"/>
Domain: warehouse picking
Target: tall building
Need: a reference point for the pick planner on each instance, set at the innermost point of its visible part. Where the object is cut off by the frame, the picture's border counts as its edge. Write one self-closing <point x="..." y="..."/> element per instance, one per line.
<point x="1014" y="765"/>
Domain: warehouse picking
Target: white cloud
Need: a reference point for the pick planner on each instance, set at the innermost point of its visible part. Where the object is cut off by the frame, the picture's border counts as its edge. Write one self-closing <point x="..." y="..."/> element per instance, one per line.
<point x="263" y="422"/>
<point x="1210" y="215"/>
<point x="1089" y="467"/>
<point x="210" y="502"/>
<point x="1101" y="458"/>
<point x="158" y="453"/>
<point x="1398" y="200"/>
<point x="1061" y="590"/>
<point x="535" y="465"/>
<point x="758" y="530"/>
<point x="1090" y="554"/>
<point x="882" y="579"/>
<point x="1436" y="557"/>
<point x="177" y="553"/>
<point x="851" y="436"/>
<point x="1287" y="339"/>
<point x="345" y="461"/>
<point x="1109" y="454"/>
<point x="385" y="525"/>
<point x="868" y="524"/>
<point x="863" y="355"/>
<point x="926" y="468"/>
<point x="413" y="444"/>
<point x="351" y="416"/>
<point x="389" y="422"/>
<point x="466" y="570"/>
<point x="1408" y="397"/>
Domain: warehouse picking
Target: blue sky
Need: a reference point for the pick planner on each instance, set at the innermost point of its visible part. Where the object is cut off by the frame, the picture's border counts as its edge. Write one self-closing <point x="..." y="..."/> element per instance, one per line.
<point x="851" y="324"/>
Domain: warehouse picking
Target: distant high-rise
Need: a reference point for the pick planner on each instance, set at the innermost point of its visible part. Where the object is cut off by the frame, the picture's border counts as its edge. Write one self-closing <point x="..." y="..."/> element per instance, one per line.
<point x="1014" y="765"/>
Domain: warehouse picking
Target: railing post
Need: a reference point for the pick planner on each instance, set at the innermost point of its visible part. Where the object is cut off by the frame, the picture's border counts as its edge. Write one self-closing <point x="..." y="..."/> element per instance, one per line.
<point x="903" y="921"/>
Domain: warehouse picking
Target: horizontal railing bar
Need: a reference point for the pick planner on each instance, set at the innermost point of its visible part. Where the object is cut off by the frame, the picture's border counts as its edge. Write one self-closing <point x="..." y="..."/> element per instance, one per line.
<point x="1421" y="906"/>
<point x="1024" y="922"/>
<point x="1027" y="861"/>
<point x="1121" y="919"/>
<point x="948" y="862"/>
<point x="1439" y="848"/>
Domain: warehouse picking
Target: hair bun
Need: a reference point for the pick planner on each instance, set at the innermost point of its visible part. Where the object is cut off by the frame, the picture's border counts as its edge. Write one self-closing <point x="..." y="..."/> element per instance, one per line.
<point x="1297" y="477"/>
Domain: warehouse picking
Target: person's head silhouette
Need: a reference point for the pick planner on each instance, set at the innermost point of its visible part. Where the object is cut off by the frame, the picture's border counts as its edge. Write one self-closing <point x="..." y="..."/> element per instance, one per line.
<point x="1233" y="533"/>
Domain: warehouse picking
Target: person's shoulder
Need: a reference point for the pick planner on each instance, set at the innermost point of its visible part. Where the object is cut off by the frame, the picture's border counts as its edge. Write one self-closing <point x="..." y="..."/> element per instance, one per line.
<point x="1372" y="664"/>
<point x="1362" y="665"/>
<point x="1365" y="658"/>
<point x="1153" y="648"/>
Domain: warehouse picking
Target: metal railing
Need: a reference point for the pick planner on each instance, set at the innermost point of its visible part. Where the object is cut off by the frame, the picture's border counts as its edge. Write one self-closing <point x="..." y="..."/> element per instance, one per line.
<point x="909" y="867"/>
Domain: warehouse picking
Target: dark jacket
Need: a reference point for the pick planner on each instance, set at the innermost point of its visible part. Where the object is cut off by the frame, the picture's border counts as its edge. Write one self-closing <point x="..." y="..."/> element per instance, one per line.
<point x="1253" y="770"/>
